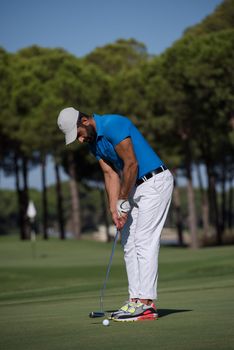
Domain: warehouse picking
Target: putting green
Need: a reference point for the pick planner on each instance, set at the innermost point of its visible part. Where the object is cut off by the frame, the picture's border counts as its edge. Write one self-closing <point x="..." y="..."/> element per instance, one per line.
<point x="45" y="301"/>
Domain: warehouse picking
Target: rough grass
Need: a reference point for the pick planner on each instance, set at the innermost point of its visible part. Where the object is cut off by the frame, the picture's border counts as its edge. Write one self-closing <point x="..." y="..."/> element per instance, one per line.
<point x="45" y="300"/>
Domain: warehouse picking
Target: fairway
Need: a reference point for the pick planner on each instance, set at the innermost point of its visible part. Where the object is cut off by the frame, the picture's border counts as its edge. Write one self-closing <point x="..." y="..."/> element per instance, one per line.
<point x="45" y="300"/>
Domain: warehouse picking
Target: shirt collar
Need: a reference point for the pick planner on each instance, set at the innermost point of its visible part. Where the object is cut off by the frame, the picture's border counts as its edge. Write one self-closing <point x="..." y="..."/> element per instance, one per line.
<point x="99" y="129"/>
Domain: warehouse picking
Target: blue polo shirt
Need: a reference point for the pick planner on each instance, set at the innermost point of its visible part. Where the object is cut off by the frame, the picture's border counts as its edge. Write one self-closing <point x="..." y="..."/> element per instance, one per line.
<point x="111" y="130"/>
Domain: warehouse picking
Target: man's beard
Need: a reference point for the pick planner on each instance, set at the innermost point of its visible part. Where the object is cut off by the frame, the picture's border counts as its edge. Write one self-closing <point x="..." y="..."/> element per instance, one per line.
<point x="91" y="134"/>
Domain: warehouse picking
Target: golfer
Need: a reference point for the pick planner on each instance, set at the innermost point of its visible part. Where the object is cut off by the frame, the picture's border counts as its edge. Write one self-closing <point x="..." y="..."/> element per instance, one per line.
<point x="139" y="188"/>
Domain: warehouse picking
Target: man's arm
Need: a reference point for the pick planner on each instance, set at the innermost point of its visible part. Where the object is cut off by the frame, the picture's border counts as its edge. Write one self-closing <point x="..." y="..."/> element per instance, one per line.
<point x="116" y="190"/>
<point x="112" y="184"/>
<point x="126" y="152"/>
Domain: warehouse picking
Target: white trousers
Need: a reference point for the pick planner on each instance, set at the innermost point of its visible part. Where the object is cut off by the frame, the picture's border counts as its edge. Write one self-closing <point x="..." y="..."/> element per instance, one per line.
<point x="150" y="202"/>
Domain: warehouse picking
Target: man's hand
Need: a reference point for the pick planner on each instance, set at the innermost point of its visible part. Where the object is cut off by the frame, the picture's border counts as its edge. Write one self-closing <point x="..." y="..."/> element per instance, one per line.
<point x="120" y="215"/>
<point x="123" y="206"/>
<point x="118" y="220"/>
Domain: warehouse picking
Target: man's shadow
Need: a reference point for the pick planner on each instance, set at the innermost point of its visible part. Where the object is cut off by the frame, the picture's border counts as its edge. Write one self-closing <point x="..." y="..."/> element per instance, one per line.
<point x="162" y="312"/>
<point x="166" y="312"/>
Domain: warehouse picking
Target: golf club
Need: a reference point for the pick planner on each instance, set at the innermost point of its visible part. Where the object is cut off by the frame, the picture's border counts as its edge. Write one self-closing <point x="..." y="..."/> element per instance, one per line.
<point x="101" y="313"/>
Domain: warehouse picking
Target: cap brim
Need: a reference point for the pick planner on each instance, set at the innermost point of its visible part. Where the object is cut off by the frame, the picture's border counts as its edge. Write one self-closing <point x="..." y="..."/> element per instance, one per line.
<point x="71" y="136"/>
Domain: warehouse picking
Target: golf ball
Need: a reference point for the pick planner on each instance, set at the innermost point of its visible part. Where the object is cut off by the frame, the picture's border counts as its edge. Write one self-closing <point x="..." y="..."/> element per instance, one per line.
<point x="105" y="323"/>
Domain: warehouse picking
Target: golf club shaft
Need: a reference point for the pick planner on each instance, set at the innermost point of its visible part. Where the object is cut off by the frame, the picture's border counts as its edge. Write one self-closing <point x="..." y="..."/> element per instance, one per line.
<point x="95" y="314"/>
<point x="108" y="271"/>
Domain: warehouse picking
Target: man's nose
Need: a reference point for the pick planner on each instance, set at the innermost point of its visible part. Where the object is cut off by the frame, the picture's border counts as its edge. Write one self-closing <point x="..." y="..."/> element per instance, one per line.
<point x="81" y="139"/>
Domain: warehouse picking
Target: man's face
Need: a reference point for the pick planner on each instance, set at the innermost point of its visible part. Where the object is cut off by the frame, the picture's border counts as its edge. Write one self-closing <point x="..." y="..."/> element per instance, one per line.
<point x="86" y="133"/>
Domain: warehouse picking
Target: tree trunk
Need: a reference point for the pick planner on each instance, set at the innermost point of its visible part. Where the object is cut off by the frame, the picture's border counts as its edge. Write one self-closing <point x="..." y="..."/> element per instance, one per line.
<point x="75" y="199"/>
<point x="192" y="221"/>
<point x="230" y="204"/>
<point x="205" y="204"/>
<point x="25" y="197"/>
<point x="223" y="197"/>
<point x="213" y="203"/>
<point x="44" y="197"/>
<point x="216" y="210"/>
<point x="105" y="214"/>
<point x="178" y="214"/>
<point x="59" y="200"/>
<point x="23" y="235"/>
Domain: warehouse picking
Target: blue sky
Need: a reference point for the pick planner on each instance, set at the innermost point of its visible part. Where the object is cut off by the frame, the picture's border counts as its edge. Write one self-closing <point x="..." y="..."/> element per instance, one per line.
<point x="79" y="26"/>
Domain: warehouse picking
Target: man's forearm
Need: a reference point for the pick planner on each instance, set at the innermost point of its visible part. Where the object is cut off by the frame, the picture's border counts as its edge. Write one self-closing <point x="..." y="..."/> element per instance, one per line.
<point x="126" y="152"/>
<point x="112" y="184"/>
<point x="128" y="179"/>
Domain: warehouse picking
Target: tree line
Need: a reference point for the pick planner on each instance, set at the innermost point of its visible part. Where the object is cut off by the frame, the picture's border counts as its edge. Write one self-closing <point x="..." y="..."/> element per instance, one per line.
<point x="181" y="100"/>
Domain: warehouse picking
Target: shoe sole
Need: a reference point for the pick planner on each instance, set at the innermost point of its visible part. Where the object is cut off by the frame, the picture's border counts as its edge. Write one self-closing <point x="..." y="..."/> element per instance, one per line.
<point x="151" y="317"/>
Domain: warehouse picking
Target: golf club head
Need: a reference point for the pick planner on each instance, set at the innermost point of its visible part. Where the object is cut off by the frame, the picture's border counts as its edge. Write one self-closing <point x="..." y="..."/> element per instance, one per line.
<point x="94" y="314"/>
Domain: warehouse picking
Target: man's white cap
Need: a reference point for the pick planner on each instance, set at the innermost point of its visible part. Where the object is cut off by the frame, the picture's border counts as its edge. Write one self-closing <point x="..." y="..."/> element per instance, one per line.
<point x="67" y="122"/>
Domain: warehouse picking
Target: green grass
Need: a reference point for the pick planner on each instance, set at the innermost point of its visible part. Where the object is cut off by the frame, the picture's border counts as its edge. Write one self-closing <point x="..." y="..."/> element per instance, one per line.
<point x="45" y="301"/>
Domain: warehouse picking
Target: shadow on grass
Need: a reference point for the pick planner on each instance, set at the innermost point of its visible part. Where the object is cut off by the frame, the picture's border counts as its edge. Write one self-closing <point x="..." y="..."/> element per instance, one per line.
<point x="161" y="312"/>
<point x="166" y="312"/>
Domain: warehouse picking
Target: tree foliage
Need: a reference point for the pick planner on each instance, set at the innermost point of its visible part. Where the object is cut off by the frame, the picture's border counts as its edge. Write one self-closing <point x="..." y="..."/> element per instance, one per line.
<point x="182" y="100"/>
<point x="118" y="56"/>
<point x="221" y="19"/>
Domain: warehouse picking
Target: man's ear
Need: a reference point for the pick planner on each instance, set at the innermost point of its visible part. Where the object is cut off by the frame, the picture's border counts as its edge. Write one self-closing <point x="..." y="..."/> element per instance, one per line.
<point x="85" y="121"/>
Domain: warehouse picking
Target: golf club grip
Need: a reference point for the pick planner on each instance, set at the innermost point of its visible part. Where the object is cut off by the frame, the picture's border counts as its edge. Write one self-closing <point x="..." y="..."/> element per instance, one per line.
<point x="108" y="270"/>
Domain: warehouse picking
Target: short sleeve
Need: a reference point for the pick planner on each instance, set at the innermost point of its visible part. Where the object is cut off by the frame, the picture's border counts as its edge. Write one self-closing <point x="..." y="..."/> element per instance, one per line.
<point x="116" y="129"/>
<point x="93" y="150"/>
